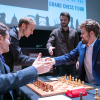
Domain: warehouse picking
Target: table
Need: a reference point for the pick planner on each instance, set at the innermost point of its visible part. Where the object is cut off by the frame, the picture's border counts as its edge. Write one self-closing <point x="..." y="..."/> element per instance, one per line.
<point x="27" y="94"/>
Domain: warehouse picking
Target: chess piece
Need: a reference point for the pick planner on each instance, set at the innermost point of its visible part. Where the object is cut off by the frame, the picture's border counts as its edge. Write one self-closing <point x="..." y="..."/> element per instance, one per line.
<point x="52" y="88"/>
<point x="70" y="77"/>
<point x="47" y="88"/>
<point x="81" y="96"/>
<point x="59" y="79"/>
<point x="97" y="96"/>
<point x="76" y="80"/>
<point x="73" y="79"/>
<point x="79" y="82"/>
<point x="67" y="78"/>
<point x="83" y="83"/>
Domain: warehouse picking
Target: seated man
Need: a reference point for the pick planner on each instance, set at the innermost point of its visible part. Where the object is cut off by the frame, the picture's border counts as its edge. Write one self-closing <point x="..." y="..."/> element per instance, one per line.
<point x="88" y="51"/>
<point x="10" y="81"/>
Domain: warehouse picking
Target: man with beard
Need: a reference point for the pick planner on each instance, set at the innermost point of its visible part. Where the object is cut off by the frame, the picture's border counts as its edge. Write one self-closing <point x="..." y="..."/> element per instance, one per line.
<point x="88" y="51"/>
<point x="64" y="39"/>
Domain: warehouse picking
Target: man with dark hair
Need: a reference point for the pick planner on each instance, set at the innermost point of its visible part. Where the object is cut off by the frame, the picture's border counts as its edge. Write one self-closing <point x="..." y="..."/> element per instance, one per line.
<point x="14" y="56"/>
<point x="88" y="51"/>
<point x="65" y="39"/>
<point x="10" y="81"/>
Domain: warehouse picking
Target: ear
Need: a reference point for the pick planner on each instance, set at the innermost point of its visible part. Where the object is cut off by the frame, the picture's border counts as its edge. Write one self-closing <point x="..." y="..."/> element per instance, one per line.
<point x="1" y="39"/>
<point x="92" y="33"/>
<point x="69" y="21"/>
<point x="23" y="26"/>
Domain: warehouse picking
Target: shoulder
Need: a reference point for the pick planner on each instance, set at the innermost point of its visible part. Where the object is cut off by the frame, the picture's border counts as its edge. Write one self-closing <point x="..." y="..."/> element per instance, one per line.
<point x="97" y="42"/>
<point x="72" y="30"/>
<point x="80" y="45"/>
<point x="1" y="63"/>
<point x="13" y="32"/>
<point x="56" y="30"/>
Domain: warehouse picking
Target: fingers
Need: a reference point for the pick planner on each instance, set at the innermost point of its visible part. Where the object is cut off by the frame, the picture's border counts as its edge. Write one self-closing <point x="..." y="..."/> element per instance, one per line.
<point x="39" y="56"/>
<point x="48" y="59"/>
<point x="53" y="47"/>
<point x="51" y="53"/>
<point x="51" y="50"/>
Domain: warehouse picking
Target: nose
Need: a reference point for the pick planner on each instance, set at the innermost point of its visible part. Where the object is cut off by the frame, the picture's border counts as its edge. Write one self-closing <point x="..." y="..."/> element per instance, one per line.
<point x="81" y="35"/>
<point x="31" y="32"/>
<point x="9" y="43"/>
<point x="63" y="21"/>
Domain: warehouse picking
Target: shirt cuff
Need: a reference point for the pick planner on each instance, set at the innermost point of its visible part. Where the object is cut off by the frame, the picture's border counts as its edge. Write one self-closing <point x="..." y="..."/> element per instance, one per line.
<point x="35" y="68"/>
<point x="54" y="62"/>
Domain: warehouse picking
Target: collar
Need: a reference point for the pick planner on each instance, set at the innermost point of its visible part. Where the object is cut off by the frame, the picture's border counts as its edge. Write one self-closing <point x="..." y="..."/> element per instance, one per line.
<point x="61" y="29"/>
<point x="2" y="58"/>
<point x="19" y="37"/>
<point x="92" y="44"/>
<point x="84" y="45"/>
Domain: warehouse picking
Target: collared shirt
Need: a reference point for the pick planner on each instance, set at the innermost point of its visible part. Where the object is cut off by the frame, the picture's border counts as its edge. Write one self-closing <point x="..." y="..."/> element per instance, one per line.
<point x="88" y="63"/>
<point x="64" y="41"/>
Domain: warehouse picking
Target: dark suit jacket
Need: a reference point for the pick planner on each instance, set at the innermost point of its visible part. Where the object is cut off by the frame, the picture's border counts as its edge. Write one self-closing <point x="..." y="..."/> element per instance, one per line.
<point x="15" y="56"/>
<point x="79" y="51"/>
<point x="12" y="81"/>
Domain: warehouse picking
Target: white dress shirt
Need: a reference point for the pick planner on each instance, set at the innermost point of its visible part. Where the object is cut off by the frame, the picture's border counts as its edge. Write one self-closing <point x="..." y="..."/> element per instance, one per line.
<point x="88" y="63"/>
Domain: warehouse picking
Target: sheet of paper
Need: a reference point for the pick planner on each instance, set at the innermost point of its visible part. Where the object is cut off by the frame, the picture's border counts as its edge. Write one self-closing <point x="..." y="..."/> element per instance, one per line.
<point x="54" y="78"/>
<point x="57" y="97"/>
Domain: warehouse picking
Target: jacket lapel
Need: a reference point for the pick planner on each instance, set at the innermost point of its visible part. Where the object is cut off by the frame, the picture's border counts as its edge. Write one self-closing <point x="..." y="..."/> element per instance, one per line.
<point x="95" y="51"/>
<point x="82" y="53"/>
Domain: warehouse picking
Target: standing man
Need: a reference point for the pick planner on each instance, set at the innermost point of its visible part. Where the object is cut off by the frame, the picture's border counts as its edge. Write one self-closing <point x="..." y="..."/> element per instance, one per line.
<point x="65" y="39"/>
<point x="14" y="56"/>
<point x="10" y="81"/>
<point x="88" y="51"/>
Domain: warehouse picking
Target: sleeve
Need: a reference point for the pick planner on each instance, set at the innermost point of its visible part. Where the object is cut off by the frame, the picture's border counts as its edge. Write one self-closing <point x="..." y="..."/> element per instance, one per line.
<point x="17" y="55"/>
<point x="69" y="57"/>
<point x="12" y="81"/>
<point x="51" y="39"/>
<point x="76" y="39"/>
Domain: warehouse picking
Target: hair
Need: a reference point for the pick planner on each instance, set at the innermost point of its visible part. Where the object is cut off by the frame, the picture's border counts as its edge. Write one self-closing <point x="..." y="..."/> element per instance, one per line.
<point x="65" y="14"/>
<point x="90" y="25"/>
<point x="26" y="21"/>
<point x="3" y="29"/>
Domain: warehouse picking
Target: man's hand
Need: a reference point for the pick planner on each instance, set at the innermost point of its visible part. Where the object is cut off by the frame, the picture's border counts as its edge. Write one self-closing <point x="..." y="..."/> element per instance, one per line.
<point x="51" y="50"/>
<point x="42" y="66"/>
<point x="77" y="65"/>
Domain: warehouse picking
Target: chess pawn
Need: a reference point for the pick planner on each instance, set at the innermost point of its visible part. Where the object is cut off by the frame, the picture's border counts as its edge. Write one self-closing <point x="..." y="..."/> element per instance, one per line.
<point x="79" y="82"/>
<point x="81" y="96"/>
<point x="83" y="83"/>
<point x="70" y="77"/>
<point x="67" y="78"/>
<point x="97" y="96"/>
<point x="59" y="79"/>
<point x="47" y="88"/>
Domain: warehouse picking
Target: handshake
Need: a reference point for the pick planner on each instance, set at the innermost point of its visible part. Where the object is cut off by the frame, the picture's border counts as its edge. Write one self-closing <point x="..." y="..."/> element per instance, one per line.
<point x="43" y="65"/>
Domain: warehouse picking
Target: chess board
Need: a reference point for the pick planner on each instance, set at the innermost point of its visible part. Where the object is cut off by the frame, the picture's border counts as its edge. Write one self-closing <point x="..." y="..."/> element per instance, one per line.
<point x="59" y="88"/>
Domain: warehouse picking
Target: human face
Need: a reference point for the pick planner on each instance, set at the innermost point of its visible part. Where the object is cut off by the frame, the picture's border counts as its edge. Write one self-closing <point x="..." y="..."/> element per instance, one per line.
<point x="64" y="21"/>
<point x="85" y="37"/>
<point x="28" y="30"/>
<point x="5" y="43"/>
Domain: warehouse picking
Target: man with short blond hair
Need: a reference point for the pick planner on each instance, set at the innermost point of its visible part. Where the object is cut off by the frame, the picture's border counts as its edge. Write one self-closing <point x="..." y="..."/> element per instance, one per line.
<point x="15" y="56"/>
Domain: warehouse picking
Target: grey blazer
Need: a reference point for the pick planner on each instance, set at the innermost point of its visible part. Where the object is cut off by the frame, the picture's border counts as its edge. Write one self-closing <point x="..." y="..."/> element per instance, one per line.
<point x="12" y="81"/>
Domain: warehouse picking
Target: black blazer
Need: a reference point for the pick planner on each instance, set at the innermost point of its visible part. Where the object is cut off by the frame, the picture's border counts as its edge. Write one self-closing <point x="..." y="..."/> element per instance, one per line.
<point x="15" y="56"/>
